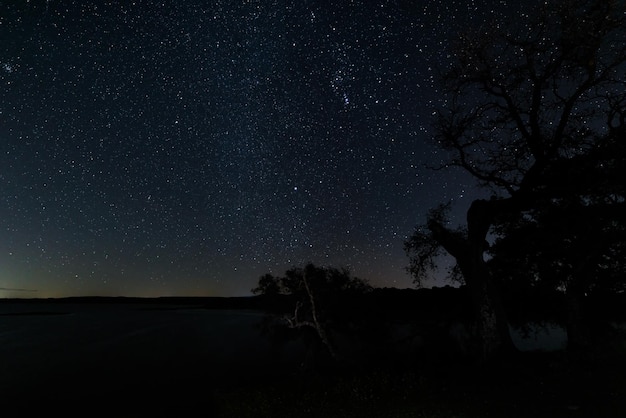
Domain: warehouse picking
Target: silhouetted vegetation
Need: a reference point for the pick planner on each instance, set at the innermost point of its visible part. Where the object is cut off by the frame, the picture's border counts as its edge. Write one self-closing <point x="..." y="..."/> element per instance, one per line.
<point x="318" y="304"/>
<point x="571" y="248"/>
<point x="536" y="113"/>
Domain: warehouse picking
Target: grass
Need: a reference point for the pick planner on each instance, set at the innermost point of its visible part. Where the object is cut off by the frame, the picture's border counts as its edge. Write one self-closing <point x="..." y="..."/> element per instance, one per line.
<point x="534" y="385"/>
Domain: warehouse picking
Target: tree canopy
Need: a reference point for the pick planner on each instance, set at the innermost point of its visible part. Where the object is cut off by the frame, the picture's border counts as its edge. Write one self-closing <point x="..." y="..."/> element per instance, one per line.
<point x="536" y="113"/>
<point x="321" y="299"/>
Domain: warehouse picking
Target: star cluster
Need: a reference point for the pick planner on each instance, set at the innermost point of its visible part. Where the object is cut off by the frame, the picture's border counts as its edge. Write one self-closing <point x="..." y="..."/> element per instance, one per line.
<point x="154" y="148"/>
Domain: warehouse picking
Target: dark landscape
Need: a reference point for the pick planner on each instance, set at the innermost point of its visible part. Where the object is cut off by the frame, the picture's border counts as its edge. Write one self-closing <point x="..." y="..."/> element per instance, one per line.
<point x="150" y="357"/>
<point x="425" y="202"/>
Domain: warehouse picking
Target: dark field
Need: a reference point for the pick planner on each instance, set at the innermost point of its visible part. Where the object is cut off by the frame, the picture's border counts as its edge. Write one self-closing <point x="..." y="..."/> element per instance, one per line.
<point x="125" y="359"/>
<point x="179" y="359"/>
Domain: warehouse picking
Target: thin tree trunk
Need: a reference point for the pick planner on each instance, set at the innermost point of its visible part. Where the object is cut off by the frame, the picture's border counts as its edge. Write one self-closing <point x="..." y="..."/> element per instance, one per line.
<point x="577" y="332"/>
<point x="319" y="327"/>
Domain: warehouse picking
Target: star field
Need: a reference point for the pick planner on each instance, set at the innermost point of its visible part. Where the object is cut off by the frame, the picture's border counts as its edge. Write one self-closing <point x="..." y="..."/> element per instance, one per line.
<point x="155" y="148"/>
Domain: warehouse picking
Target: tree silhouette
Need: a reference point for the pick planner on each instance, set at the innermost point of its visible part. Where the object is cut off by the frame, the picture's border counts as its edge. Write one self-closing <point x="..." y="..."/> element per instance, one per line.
<point x="525" y="106"/>
<point x="572" y="244"/>
<point x="322" y="299"/>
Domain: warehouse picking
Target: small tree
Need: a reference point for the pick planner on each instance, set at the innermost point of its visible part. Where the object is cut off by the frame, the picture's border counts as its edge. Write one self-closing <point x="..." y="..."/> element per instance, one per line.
<point x="320" y="299"/>
<point x="268" y="286"/>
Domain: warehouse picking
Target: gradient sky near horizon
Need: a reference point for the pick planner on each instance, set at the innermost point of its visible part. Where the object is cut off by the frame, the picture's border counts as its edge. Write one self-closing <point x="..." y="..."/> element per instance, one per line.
<point x="159" y="148"/>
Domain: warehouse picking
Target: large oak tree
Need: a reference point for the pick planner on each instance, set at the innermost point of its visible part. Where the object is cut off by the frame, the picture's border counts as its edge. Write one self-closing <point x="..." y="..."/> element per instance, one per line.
<point x="527" y="106"/>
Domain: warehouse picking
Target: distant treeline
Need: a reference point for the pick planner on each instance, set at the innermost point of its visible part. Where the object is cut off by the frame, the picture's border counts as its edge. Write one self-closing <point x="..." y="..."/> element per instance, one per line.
<point x="437" y="304"/>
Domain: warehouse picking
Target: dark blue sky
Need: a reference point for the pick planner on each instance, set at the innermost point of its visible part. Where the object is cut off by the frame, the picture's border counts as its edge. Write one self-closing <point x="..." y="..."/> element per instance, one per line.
<point x="156" y="148"/>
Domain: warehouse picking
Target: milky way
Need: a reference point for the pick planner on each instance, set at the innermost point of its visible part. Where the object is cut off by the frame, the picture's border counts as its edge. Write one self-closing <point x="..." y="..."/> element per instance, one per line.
<point x="187" y="147"/>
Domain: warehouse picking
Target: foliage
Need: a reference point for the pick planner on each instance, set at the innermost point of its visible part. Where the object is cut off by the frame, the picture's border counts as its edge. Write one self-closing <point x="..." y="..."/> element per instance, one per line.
<point x="564" y="242"/>
<point x="520" y="99"/>
<point x="330" y="286"/>
<point x="425" y="252"/>
<point x="536" y="113"/>
<point x="324" y="300"/>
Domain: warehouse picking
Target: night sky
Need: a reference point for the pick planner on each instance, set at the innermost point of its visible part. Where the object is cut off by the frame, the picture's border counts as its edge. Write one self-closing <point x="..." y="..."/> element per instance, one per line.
<point x="186" y="147"/>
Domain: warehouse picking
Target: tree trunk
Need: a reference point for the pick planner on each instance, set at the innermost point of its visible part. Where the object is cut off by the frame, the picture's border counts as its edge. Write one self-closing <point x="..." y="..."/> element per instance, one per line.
<point x="491" y="327"/>
<point x="577" y="332"/>
<point x="319" y="327"/>
<point x="577" y="327"/>
<point x="490" y="320"/>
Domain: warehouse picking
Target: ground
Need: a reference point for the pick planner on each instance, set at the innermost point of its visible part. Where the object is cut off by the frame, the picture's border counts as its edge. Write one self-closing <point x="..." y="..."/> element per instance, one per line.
<point x="533" y="385"/>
